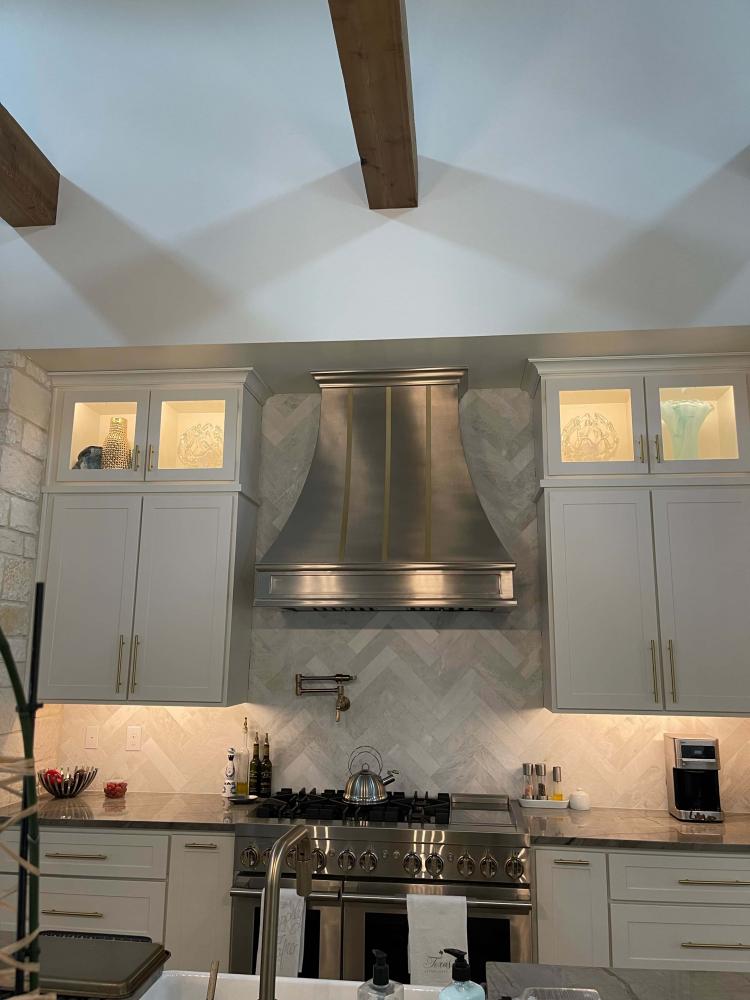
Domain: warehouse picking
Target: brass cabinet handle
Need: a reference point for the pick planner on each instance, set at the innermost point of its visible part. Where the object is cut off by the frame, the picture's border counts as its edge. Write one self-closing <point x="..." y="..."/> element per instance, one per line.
<point x="657" y="446"/>
<point x="134" y="671"/>
<point x="655" y="671"/>
<point x="150" y="458"/>
<point x="643" y="450"/>
<point x="118" y="683"/>
<point x="77" y="857"/>
<point x="73" y="913"/>
<point x="722" y="947"/>
<point x="201" y="847"/>
<point x="136" y="457"/>
<point x="670" y="647"/>
<point x="711" y="881"/>
<point x="571" y="861"/>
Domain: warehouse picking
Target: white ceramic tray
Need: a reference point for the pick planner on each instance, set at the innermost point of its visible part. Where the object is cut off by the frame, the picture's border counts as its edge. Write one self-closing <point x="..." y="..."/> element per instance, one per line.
<point x="544" y="803"/>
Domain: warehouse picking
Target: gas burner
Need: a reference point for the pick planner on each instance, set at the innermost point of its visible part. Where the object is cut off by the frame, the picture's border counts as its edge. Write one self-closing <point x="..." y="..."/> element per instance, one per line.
<point x="330" y="805"/>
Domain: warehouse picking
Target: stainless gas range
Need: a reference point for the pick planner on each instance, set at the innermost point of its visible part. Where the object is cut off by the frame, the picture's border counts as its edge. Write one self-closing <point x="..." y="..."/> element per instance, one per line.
<point x="365" y="867"/>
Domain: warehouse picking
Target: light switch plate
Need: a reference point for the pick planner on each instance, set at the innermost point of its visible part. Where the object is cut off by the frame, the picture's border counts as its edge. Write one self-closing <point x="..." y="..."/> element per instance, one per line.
<point x="91" y="738"/>
<point x="133" y="738"/>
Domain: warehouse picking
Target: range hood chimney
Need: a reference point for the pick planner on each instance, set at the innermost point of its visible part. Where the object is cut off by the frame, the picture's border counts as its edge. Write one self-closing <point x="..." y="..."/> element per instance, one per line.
<point x="388" y="517"/>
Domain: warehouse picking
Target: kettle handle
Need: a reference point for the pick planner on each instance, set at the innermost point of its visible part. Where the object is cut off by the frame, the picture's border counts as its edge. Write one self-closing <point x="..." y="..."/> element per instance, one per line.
<point x="364" y="749"/>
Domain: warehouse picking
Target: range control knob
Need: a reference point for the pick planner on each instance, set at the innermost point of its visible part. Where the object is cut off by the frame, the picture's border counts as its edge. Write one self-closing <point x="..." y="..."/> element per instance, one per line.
<point x="514" y="867"/>
<point x="368" y="861"/>
<point x="318" y="860"/>
<point x="412" y="863"/>
<point x="466" y="865"/>
<point x="249" y="857"/>
<point x="434" y="865"/>
<point x="488" y="866"/>
<point x="346" y="861"/>
<point x="266" y="855"/>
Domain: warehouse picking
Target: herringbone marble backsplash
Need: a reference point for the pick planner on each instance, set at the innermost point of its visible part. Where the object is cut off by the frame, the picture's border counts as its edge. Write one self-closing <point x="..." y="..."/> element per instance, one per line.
<point x="451" y="700"/>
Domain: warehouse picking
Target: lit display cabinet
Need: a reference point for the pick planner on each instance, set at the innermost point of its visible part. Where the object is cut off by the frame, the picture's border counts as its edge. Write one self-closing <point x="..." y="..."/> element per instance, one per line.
<point x="102" y="435"/>
<point x="192" y="435"/>
<point x="641" y="417"/>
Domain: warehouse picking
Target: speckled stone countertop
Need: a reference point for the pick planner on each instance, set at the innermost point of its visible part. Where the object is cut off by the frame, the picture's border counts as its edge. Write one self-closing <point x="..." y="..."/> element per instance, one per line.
<point x="505" y="980"/>
<point x="645" y="828"/>
<point x="143" y="810"/>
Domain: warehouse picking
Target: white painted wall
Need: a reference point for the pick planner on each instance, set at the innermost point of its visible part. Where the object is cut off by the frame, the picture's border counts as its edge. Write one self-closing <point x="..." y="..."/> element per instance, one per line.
<point x="584" y="166"/>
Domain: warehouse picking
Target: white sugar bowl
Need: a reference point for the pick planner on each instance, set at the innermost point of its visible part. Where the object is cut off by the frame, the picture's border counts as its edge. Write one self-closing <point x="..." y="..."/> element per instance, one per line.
<point x="580" y="800"/>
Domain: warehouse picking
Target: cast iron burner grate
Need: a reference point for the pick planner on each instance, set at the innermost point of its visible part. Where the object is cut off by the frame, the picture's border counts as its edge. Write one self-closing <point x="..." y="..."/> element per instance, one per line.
<point x="330" y="805"/>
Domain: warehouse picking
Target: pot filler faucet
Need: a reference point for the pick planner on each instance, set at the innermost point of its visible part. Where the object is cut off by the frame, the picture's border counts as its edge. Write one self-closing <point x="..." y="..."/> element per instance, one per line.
<point x="298" y="837"/>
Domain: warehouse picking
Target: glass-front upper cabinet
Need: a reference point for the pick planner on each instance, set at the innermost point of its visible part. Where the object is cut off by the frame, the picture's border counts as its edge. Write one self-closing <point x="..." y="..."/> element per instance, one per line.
<point x="102" y="435"/>
<point x="596" y="425"/>
<point x="192" y="435"/>
<point x="698" y="422"/>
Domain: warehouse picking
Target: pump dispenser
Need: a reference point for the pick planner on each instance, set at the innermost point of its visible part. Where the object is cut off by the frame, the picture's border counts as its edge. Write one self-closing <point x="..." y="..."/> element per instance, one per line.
<point x="381" y="985"/>
<point x="462" y="988"/>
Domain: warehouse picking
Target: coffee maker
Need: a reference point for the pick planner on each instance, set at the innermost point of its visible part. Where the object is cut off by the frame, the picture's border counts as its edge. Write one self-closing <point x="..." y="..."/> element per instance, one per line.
<point x="693" y="778"/>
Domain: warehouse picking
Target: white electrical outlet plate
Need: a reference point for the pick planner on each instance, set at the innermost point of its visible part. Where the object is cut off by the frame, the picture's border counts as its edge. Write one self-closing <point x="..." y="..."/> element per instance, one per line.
<point x="91" y="738"/>
<point x="133" y="738"/>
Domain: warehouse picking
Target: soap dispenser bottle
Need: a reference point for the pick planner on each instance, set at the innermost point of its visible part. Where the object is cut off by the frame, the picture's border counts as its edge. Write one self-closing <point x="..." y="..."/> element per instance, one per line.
<point x="381" y="985"/>
<point x="462" y="988"/>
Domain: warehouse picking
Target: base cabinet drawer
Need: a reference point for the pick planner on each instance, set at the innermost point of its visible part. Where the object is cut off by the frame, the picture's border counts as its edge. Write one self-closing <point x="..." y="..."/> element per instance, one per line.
<point x="653" y="936"/>
<point x="685" y="878"/>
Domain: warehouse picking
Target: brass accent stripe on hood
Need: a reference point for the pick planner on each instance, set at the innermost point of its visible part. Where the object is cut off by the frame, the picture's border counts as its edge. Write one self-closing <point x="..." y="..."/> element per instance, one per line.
<point x="428" y="474"/>
<point x="347" y="473"/>
<point x="387" y="482"/>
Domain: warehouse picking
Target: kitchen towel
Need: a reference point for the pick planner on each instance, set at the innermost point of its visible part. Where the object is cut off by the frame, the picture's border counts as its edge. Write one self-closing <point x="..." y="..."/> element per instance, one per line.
<point x="290" y="945"/>
<point x="435" y="922"/>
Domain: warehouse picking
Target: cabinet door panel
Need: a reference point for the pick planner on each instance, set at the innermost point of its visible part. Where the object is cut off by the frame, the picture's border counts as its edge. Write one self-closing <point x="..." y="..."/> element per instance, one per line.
<point x="89" y="594"/>
<point x="603" y="600"/>
<point x="193" y="435"/>
<point x="102" y="435"/>
<point x="596" y="425"/>
<point x="182" y="598"/>
<point x="703" y="565"/>
<point x="200" y="867"/>
<point x="702" y="421"/>
<point x="572" y="908"/>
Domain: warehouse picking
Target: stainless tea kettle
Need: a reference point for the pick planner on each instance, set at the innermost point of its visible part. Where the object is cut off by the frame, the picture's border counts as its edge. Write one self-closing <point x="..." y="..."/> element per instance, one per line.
<point x="366" y="787"/>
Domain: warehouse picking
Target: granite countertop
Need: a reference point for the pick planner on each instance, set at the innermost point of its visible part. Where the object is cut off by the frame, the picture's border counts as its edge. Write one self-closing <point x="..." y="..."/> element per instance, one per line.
<point x="143" y="810"/>
<point x="645" y="828"/>
<point x="607" y="828"/>
<point x="510" y="980"/>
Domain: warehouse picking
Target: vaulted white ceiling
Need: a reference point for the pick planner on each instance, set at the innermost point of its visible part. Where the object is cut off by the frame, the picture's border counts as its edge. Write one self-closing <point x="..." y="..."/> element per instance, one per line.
<point x="584" y="165"/>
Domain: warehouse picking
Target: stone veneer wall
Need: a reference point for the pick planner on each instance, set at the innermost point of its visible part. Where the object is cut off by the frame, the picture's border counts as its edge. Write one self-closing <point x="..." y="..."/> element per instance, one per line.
<point x="452" y="700"/>
<point x="24" y="417"/>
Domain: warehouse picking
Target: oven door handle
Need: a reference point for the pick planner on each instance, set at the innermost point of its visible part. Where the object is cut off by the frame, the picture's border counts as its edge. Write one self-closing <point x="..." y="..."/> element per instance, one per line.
<point x="314" y="897"/>
<point x="519" y="906"/>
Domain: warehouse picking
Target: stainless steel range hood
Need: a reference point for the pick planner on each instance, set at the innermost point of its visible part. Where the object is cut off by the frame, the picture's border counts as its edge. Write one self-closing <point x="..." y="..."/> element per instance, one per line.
<point x="388" y="516"/>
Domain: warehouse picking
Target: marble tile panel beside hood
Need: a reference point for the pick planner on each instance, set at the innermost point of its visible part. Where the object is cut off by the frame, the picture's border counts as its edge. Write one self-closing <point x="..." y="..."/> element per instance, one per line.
<point x="451" y="699"/>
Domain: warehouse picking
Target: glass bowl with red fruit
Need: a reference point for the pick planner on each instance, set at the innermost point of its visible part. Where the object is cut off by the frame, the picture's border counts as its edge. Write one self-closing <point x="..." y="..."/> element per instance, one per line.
<point x="115" y="788"/>
<point x="66" y="783"/>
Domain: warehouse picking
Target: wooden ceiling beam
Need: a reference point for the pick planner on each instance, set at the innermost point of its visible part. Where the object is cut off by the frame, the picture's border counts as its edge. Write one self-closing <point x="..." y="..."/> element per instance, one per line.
<point x="373" y="48"/>
<point x="28" y="182"/>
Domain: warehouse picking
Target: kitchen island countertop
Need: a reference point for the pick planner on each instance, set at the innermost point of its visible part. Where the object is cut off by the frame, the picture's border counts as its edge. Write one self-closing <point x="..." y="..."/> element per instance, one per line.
<point x="143" y="810"/>
<point x="510" y="980"/>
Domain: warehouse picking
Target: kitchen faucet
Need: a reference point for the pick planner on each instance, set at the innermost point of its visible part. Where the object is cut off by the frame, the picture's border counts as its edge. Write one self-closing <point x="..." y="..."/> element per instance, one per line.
<point x="298" y="837"/>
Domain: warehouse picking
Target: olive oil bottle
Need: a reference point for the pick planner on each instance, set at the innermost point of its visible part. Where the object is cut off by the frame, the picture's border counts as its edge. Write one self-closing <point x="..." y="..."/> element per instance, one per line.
<point x="253" y="772"/>
<point x="266" y="769"/>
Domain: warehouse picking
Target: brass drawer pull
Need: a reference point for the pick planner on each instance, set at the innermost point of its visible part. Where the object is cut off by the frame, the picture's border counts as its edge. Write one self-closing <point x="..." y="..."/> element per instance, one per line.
<point x="120" y="648"/>
<point x="77" y="857"/>
<point x="201" y="847"/>
<point x="710" y="881"/>
<point x="721" y="947"/>
<point x="95" y="914"/>
<point x="655" y="671"/>
<point x="670" y="647"/>
<point x="571" y="861"/>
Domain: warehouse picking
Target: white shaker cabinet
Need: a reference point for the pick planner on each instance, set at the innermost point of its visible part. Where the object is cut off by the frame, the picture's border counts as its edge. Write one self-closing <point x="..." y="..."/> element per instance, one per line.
<point x="572" y="908"/>
<point x="182" y="598"/>
<point x="702" y="538"/>
<point x="89" y="595"/>
<point x="199" y="906"/>
<point x="603" y="631"/>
